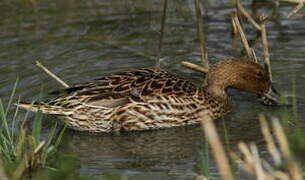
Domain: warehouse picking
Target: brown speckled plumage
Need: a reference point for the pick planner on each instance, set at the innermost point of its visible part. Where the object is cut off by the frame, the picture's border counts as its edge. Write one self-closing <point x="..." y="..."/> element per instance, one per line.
<point x="145" y="99"/>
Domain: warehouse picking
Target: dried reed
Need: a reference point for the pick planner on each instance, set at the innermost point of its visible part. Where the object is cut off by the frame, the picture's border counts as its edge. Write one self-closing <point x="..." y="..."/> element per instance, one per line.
<point x="284" y="167"/>
<point x="201" y="34"/>
<point x="292" y="1"/>
<point x="202" y="42"/>
<point x="158" y="60"/>
<point x="195" y="67"/>
<point x="242" y="35"/>
<point x="266" y="48"/>
<point x="243" y="11"/>
<point x="297" y="8"/>
<point x="65" y="85"/>
<point x="30" y="161"/>
<point x="260" y="28"/>
<point x="218" y="151"/>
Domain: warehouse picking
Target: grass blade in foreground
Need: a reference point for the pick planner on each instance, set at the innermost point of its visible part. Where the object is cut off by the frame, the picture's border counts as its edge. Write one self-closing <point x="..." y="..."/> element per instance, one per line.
<point x="283" y="165"/>
<point x="22" y="153"/>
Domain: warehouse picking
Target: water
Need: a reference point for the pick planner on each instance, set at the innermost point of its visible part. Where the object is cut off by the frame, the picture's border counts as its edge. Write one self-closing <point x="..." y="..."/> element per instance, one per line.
<point x="74" y="39"/>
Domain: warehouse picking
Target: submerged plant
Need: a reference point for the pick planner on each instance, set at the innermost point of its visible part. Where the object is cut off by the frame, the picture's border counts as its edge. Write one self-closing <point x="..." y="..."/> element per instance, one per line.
<point x="22" y="151"/>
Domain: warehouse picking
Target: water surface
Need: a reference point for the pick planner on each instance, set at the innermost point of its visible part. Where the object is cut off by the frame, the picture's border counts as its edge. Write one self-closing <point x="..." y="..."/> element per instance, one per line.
<point x="82" y="40"/>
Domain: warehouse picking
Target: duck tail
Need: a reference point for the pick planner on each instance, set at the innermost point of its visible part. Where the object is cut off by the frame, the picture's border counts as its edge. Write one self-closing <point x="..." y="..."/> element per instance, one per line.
<point x="44" y="107"/>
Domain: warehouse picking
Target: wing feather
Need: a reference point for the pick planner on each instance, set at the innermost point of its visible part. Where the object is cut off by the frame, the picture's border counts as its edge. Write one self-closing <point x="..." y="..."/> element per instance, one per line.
<point x="116" y="89"/>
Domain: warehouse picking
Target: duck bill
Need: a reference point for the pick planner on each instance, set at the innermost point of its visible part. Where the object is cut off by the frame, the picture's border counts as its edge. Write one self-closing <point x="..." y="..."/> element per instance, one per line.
<point x="271" y="98"/>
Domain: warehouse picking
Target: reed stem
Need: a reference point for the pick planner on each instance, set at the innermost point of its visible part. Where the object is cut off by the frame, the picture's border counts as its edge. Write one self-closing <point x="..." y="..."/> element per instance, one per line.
<point x="266" y="49"/>
<point x="52" y="75"/>
<point x="163" y="20"/>
<point x="217" y="148"/>
<point x="201" y="34"/>
<point x="195" y="67"/>
<point x="242" y="36"/>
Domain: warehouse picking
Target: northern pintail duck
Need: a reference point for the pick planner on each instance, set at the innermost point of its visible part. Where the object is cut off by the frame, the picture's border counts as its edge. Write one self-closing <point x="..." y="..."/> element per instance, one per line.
<point x="144" y="99"/>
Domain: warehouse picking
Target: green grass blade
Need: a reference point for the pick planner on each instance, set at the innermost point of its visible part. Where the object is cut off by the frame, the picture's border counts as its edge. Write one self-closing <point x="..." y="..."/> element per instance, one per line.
<point x="52" y="133"/>
<point x="13" y="125"/>
<point x="59" y="137"/>
<point x="205" y="161"/>
<point x="6" y="148"/>
<point x="47" y="152"/>
<point x="4" y="124"/>
<point x="17" y="145"/>
<point x="25" y="119"/>
<point x="226" y="134"/>
<point x="51" y="137"/>
<point x="11" y="97"/>
<point x="36" y="131"/>
<point x="20" y="144"/>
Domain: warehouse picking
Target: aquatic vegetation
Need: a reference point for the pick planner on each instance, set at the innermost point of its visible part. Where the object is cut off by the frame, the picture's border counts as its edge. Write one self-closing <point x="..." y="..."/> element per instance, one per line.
<point x="282" y="165"/>
<point x="22" y="149"/>
<point x="72" y="37"/>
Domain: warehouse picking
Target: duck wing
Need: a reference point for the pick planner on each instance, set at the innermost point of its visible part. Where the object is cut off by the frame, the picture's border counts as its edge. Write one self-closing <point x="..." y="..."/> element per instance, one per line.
<point x="118" y="89"/>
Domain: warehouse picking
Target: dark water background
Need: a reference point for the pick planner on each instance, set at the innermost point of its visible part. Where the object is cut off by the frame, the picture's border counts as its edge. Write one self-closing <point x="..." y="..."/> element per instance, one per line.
<point x="74" y="39"/>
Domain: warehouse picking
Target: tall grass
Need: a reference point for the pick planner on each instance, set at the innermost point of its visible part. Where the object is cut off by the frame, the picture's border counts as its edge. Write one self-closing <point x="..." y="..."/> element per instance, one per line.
<point x="22" y="150"/>
<point x="282" y="149"/>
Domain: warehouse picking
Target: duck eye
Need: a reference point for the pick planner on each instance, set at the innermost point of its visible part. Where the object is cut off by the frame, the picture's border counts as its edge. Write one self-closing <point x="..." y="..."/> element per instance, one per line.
<point x="259" y="74"/>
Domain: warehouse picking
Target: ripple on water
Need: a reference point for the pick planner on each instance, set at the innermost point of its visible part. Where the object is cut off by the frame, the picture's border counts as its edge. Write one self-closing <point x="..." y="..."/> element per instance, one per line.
<point x="73" y="39"/>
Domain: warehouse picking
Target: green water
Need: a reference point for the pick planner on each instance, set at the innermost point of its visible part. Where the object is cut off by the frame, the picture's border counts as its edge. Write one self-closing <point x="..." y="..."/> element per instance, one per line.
<point x="75" y="40"/>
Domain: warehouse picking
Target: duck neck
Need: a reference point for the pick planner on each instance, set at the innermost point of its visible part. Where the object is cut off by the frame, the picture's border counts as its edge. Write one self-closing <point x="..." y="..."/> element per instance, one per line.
<point x="216" y="84"/>
<point x="217" y="91"/>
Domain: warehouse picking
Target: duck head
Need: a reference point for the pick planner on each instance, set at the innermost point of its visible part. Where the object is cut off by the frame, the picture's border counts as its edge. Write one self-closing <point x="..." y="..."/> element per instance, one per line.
<point x="244" y="75"/>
